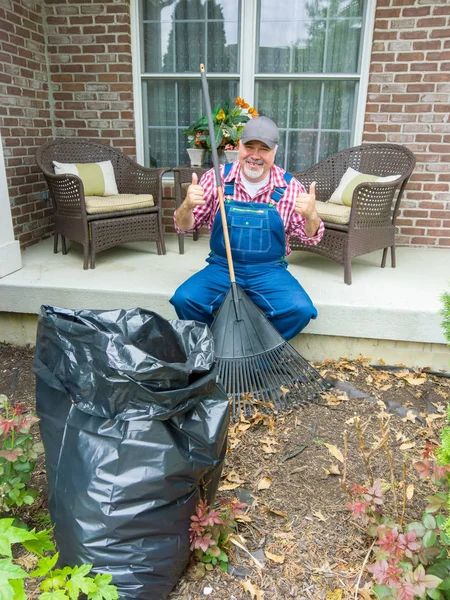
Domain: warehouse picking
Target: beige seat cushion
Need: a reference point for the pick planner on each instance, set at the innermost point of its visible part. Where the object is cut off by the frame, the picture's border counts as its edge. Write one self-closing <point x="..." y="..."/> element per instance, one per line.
<point x="96" y="205"/>
<point x="333" y="213"/>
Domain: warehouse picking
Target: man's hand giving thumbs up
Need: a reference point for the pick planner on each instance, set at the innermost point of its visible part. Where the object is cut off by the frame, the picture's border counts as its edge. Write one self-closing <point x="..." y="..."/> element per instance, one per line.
<point x="194" y="197"/>
<point x="305" y="205"/>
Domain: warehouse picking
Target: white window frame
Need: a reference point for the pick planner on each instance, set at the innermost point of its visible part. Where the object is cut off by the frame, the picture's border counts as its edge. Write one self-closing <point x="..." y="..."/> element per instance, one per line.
<point x="247" y="61"/>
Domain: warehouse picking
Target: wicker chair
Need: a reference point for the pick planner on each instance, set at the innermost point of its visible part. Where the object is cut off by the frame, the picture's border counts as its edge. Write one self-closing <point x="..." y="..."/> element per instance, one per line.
<point x="97" y="232"/>
<point x="182" y="179"/>
<point x="374" y="208"/>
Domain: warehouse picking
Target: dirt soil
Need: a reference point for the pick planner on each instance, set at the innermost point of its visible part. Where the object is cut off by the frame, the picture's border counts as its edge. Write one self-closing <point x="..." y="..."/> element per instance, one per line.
<point x="290" y="472"/>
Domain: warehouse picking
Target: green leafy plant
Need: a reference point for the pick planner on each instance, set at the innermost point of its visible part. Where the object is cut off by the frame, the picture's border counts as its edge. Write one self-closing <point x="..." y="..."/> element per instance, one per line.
<point x="55" y="584"/>
<point x="211" y="531"/>
<point x="18" y="452"/>
<point x="445" y="312"/>
<point x="409" y="561"/>
<point x="228" y="124"/>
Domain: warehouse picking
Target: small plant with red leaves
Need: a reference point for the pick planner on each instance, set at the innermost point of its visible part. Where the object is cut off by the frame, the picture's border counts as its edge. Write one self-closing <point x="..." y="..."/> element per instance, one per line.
<point x="410" y="561"/>
<point x="210" y="533"/>
<point x="18" y="453"/>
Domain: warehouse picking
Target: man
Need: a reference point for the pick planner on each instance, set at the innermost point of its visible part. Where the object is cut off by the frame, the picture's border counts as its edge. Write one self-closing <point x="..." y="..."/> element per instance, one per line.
<point x="264" y="207"/>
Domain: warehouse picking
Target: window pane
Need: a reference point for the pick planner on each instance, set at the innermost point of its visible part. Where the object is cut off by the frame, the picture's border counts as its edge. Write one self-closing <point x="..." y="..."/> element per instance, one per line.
<point x="305" y="104"/>
<point x="331" y="141"/>
<point x="271" y="101"/>
<point x="161" y="145"/>
<point x="345" y="8"/>
<point x="161" y="102"/>
<point x="343" y="40"/>
<point x="338" y="104"/>
<point x="222" y="48"/>
<point x="178" y="37"/>
<point x="291" y="46"/>
<point x="171" y="107"/>
<point x="302" y="150"/>
<point x="280" y="157"/>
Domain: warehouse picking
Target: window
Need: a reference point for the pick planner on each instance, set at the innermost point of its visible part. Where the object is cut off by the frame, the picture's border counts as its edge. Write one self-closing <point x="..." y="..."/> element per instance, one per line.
<point x="299" y="64"/>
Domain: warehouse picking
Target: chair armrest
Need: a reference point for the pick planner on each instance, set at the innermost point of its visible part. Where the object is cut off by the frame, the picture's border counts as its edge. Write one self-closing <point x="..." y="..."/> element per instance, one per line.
<point x="372" y="203"/>
<point x="67" y="193"/>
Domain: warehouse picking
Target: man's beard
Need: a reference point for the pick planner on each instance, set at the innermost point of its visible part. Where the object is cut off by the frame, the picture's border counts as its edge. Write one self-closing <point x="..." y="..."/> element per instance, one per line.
<point x="252" y="174"/>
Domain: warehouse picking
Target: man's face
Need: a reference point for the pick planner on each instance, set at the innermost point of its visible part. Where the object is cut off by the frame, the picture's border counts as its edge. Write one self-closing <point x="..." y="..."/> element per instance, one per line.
<point x="256" y="159"/>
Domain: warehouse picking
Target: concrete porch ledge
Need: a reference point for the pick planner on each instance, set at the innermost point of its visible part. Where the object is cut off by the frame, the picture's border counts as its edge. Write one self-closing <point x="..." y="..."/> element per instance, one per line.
<point x="391" y="314"/>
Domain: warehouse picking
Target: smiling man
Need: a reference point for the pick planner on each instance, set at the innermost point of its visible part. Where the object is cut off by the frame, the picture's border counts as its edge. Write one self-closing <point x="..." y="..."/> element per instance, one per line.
<point x="265" y="206"/>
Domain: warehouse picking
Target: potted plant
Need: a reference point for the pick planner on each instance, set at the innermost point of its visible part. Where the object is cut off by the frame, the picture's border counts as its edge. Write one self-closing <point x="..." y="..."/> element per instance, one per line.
<point x="228" y="124"/>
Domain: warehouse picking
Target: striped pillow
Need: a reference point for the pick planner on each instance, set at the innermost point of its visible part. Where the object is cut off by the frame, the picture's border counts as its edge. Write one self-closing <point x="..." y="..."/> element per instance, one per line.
<point x="98" y="178"/>
<point x="343" y="194"/>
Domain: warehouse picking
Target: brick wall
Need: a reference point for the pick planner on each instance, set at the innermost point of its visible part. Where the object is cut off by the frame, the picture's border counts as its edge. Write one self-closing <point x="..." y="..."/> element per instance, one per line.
<point x="89" y="45"/>
<point x="25" y="114"/>
<point x="409" y="103"/>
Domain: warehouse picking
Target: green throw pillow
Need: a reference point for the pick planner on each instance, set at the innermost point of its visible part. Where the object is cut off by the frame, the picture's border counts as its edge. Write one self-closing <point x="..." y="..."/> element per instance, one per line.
<point x="343" y="194"/>
<point x="98" y="178"/>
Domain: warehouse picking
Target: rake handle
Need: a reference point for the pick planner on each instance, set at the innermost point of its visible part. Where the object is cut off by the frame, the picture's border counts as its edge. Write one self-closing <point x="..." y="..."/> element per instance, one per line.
<point x="215" y="160"/>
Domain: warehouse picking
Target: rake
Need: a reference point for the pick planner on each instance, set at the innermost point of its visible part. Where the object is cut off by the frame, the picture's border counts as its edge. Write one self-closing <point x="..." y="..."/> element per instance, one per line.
<point x="258" y="368"/>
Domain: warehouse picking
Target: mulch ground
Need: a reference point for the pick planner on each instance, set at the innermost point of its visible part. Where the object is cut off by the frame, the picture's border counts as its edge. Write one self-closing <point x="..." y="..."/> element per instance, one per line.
<point x="301" y="540"/>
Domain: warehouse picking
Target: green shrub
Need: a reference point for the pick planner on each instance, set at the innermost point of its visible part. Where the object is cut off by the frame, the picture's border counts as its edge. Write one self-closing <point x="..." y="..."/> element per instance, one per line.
<point x="446" y="315"/>
<point x="55" y="584"/>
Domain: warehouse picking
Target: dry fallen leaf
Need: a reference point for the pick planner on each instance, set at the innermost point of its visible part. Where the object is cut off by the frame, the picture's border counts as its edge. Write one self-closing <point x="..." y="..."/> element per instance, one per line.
<point x="284" y="389"/>
<point x="415" y="380"/>
<point x="278" y="558"/>
<point x="280" y="513"/>
<point x="334" y="451"/>
<point x="407" y="446"/>
<point x="332" y="470"/>
<point x="319" y="515"/>
<point x="410" y="491"/>
<point x="233" y="477"/>
<point x="410" y="416"/>
<point x="252" y="589"/>
<point x="264" y="483"/>
<point x="229" y="486"/>
<point x="334" y="595"/>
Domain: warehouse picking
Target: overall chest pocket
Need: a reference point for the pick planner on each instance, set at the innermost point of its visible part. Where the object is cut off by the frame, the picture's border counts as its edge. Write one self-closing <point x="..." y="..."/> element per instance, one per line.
<point x="249" y="230"/>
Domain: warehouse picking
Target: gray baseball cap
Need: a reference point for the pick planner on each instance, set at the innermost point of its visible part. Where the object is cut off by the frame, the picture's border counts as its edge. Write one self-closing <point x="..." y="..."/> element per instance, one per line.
<point x="261" y="129"/>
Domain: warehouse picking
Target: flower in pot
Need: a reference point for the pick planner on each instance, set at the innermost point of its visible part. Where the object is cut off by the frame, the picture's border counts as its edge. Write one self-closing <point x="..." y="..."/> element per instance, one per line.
<point x="228" y="123"/>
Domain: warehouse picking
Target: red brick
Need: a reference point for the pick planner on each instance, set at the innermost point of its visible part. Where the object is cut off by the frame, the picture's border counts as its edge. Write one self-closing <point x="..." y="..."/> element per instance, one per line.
<point x="439" y="33"/>
<point x="441" y="10"/>
<point x="410" y="56"/>
<point x="428" y="45"/>
<point x="431" y="22"/>
<point x="422" y="241"/>
<point x="418" y="11"/>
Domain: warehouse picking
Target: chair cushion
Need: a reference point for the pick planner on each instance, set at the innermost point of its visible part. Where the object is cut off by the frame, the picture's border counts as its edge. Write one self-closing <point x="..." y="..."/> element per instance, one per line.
<point x="98" y="178"/>
<point x="343" y="194"/>
<point x="333" y="213"/>
<point x="96" y="205"/>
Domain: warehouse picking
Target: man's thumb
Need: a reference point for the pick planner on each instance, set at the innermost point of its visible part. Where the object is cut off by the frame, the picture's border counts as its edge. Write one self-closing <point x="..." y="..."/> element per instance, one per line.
<point x="194" y="179"/>
<point x="312" y="189"/>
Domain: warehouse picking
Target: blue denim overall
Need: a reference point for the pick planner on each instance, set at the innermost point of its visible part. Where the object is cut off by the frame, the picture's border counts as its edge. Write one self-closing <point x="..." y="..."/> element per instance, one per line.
<point x="258" y="244"/>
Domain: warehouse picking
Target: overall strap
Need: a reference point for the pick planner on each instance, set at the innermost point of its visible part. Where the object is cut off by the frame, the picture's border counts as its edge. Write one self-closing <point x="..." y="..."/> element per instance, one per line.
<point x="278" y="192"/>
<point x="229" y="185"/>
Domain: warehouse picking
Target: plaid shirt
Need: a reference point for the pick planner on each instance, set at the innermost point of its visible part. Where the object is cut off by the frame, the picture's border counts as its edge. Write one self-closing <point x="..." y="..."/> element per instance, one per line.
<point x="294" y="224"/>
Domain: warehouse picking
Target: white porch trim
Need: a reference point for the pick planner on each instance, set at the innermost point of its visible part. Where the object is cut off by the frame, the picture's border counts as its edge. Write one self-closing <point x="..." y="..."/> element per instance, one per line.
<point x="10" y="258"/>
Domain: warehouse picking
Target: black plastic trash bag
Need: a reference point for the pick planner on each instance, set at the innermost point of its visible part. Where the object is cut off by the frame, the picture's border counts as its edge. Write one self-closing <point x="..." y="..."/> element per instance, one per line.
<point x="133" y="426"/>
